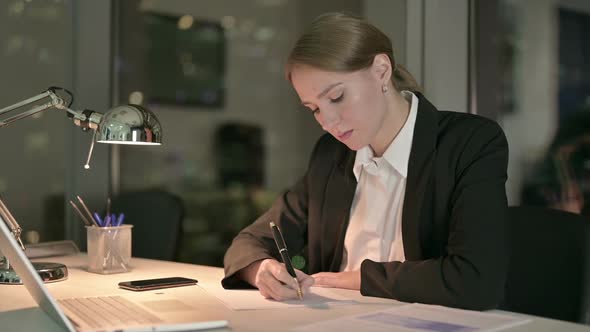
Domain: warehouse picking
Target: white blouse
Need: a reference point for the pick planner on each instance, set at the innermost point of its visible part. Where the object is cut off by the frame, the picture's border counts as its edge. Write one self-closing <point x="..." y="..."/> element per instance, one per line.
<point x="374" y="230"/>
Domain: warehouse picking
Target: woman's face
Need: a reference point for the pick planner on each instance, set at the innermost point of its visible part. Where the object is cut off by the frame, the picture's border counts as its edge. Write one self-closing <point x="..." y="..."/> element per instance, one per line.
<point x="350" y="106"/>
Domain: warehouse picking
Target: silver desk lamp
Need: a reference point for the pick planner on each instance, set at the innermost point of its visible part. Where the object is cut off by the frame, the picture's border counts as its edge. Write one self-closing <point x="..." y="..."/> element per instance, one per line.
<point x="126" y="124"/>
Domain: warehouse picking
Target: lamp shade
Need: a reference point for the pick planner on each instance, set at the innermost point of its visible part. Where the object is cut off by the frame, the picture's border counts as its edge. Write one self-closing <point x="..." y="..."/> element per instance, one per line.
<point x="129" y="124"/>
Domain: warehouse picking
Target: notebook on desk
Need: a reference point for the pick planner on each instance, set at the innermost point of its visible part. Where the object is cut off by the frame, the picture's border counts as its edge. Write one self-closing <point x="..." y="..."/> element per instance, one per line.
<point x="104" y="313"/>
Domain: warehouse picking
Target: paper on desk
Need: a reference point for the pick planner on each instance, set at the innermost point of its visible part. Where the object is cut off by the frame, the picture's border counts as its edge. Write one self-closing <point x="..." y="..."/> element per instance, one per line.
<point x="419" y="317"/>
<point x="250" y="299"/>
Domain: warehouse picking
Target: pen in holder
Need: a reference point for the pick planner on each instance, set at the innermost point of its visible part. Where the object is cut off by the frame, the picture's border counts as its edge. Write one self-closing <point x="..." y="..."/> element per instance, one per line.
<point x="109" y="249"/>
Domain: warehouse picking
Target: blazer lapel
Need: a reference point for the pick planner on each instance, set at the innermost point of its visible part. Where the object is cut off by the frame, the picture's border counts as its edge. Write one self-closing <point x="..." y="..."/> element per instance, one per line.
<point x="419" y="176"/>
<point x="336" y="211"/>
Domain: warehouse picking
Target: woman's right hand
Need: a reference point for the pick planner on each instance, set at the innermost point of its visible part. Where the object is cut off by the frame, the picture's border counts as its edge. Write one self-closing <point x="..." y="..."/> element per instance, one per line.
<point x="273" y="281"/>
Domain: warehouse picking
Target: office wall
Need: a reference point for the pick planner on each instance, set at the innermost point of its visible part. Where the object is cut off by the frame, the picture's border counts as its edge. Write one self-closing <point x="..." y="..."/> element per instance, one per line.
<point x="446" y="53"/>
<point x="390" y="16"/>
<point x="91" y="83"/>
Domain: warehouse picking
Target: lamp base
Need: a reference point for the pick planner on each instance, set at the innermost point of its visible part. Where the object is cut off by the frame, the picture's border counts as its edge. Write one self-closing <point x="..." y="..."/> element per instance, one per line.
<point x="49" y="272"/>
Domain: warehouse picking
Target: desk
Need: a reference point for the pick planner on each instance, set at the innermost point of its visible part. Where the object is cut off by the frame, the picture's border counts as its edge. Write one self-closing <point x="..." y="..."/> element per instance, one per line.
<point x="18" y="311"/>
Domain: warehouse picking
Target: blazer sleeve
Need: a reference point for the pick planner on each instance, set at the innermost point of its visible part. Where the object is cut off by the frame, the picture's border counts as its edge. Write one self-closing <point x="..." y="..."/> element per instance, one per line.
<point x="255" y="242"/>
<point x="472" y="273"/>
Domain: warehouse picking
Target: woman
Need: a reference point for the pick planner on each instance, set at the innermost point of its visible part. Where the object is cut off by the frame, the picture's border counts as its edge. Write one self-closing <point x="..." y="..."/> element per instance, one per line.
<point x="399" y="200"/>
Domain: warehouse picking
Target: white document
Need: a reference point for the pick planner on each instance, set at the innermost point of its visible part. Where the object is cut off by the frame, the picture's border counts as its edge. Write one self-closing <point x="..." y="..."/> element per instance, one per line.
<point x="250" y="299"/>
<point x="418" y="317"/>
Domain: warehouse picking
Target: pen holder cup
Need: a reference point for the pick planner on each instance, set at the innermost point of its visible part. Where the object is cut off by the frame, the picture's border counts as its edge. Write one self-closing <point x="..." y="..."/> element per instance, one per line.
<point x="109" y="249"/>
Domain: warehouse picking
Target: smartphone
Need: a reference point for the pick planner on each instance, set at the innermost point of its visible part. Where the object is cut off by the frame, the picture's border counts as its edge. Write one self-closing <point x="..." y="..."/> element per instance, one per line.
<point x="150" y="284"/>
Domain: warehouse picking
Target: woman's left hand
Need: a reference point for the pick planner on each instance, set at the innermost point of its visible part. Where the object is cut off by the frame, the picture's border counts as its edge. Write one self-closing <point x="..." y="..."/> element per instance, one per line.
<point x="347" y="280"/>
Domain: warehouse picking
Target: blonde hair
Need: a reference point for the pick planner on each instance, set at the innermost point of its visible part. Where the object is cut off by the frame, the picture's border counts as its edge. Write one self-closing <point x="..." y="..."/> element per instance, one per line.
<point x="344" y="43"/>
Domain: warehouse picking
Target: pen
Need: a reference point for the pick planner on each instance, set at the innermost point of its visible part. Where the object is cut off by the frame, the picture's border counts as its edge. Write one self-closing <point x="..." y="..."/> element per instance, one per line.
<point x="120" y="219"/>
<point x="87" y="211"/>
<point x="280" y="241"/>
<point x="84" y="219"/>
<point x="98" y="220"/>
<point x="108" y="206"/>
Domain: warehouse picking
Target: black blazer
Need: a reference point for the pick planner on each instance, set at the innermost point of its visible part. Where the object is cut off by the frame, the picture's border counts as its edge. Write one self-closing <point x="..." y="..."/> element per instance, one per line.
<point x="453" y="221"/>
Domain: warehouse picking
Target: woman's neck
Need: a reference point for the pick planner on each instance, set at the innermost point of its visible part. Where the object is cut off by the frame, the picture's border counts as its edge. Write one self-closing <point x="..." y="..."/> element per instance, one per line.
<point x="397" y="113"/>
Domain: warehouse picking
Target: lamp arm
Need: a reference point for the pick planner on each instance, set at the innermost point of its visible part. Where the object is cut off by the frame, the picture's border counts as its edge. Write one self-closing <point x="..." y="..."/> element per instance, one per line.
<point x="11" y="223"/>
<point x="82" y="119"/>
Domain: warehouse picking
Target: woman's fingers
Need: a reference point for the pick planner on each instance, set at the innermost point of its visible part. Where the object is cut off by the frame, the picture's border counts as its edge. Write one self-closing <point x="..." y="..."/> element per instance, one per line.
<point x="281" y="291"/>
<point x="348" y="279"/>
<point x="280" y="272"/>
<point x="273" y="281"/>
<point x="265" y="292"/>
<point x="305" y="281"/>
<point x="323" y="279"/>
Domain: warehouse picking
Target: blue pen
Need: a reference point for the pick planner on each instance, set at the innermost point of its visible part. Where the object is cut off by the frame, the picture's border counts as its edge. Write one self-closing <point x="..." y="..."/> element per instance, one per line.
<point x="120" y="219"/>
<point x="113" y="220"/>
<point x="98" y="220"/>
<point x="107" y="221"/>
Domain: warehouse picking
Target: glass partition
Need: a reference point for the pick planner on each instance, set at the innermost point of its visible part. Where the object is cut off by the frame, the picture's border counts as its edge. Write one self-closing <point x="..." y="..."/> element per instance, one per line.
<point x="36" y="51"/>
<point x="540" y="85"/>
<point x="235" y="133"/>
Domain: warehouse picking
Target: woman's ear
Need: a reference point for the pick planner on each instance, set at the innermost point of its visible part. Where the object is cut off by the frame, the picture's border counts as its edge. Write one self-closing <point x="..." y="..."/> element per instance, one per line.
<point x="381" y="68"/>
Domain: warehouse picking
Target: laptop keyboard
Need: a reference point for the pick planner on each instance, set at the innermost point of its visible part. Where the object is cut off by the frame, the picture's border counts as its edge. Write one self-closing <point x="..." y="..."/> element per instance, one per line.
<point x="108" y="311"/>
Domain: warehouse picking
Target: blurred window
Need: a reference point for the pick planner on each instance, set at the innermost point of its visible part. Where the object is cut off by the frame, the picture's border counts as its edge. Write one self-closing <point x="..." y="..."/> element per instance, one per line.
<point x="36" y="54"/>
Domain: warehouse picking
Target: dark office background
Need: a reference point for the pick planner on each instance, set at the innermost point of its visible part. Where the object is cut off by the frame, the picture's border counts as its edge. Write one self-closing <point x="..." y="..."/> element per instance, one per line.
<point x="234" y="132"/>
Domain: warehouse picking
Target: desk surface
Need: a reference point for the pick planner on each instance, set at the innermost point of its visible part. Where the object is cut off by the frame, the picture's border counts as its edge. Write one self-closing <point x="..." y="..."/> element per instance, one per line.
<point x="18" y="311"/>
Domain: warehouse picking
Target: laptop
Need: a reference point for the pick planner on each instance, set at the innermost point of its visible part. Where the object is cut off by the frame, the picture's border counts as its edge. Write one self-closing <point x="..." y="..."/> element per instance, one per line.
<point x="85" y="314"/>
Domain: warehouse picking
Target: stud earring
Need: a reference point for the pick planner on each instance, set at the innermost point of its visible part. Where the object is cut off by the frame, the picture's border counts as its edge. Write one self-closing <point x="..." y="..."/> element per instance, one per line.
<point x="384" y="88"/>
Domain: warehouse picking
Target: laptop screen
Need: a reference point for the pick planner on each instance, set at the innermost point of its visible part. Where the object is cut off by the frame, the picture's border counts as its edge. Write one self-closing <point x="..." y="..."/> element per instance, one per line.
<point x="33" y="283"/>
